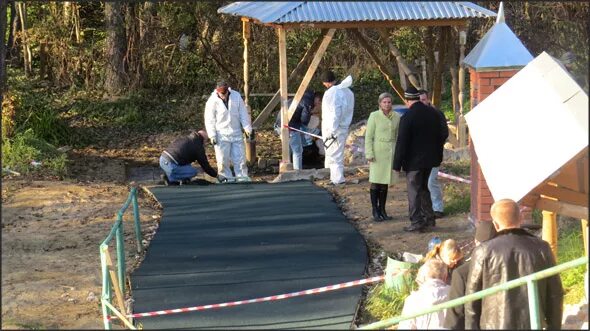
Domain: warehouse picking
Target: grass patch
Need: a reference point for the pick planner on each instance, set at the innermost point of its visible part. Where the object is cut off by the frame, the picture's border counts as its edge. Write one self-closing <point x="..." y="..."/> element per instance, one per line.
<point x="570" y="246"/>
<point x="384" y="303"/>
<point x="25" y="147"/>
<point x="456" y="196"/>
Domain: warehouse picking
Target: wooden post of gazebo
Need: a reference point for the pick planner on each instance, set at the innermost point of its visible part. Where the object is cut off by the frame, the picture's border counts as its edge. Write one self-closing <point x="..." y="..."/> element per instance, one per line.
<point x="285" y="164"/>
<point x="250" y="143"/>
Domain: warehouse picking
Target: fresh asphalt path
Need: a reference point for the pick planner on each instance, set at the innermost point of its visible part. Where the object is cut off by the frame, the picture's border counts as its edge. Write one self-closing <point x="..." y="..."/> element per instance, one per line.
<point x="227" y="242"/>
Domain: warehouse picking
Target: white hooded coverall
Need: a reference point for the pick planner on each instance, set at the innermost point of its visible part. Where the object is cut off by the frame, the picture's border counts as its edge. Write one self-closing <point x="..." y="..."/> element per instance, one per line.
<point x="337" y="111"/>
<point x="225" y="125"/>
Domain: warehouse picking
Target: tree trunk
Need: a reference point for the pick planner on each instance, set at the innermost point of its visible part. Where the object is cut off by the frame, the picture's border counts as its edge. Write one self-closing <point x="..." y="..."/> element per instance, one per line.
<point x="12" y="26"/>
<point x="429" y="43"/>
<point x="441" y="47"/>
<point x="3" y="88"/>
<point x="22" y="11"/>
<point x="133" y="56"/>
<point x="115" y="76"/>
<point x="76" y="21"/>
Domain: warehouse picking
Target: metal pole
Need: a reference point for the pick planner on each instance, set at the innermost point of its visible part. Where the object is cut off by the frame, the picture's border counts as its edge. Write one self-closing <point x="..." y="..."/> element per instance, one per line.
<point x="106" y="287"/>
<point x="121" y="255"/>
<point x="533" y="296"/>
<point x="481" y="294"/>
<point x="136" y="219"/>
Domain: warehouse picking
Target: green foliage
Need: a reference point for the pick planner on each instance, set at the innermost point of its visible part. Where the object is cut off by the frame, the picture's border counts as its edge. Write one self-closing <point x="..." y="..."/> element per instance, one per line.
<point x="25" y="147"/>
<point x="384" y="303"/>
<point x="461" y="168"/>
<point x="35" y="109"/>
<point x="570" y="247"/>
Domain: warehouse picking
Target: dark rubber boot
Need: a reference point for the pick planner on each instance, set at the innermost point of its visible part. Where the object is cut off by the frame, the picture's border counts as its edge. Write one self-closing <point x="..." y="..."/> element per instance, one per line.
<point x="374" y="201"/>
<point x="382" y="201"/>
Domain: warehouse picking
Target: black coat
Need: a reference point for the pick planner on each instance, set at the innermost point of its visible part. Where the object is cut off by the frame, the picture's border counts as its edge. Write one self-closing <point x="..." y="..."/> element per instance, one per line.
<point x="420" y="138"/>
<point x="455" y="318"/>
<point x="513" y="253"/>
<point x="186" y="150"/>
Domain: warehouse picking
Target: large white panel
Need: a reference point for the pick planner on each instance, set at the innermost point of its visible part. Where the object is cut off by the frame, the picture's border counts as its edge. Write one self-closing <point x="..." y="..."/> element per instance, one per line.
<point x="528" y="128"/>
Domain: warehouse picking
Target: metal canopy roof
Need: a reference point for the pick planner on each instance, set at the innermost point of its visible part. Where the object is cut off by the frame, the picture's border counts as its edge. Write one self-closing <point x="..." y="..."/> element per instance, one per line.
<point x="274" y="12"/>
<point x="499" y="48"/>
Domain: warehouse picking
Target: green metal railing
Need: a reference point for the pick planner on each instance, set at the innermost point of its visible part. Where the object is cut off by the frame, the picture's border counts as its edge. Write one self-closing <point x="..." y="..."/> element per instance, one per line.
<point x="529" y="280"/>
<point x="118" y="233"/>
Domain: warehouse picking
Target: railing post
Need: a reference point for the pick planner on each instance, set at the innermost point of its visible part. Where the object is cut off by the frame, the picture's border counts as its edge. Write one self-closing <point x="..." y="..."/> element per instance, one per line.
<point x="533" y="294"/>
<point x="136" y="219"/>
<point x="106" y="288"/>
<point x="121" y="254"/>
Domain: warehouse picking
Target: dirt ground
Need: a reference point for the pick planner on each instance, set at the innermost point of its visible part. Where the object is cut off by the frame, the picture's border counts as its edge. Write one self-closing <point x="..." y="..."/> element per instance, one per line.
<point x="51" y="230"/>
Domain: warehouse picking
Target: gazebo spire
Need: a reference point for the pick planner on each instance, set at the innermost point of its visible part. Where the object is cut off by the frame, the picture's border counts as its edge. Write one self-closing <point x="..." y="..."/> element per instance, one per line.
<point x="500" y="18"/>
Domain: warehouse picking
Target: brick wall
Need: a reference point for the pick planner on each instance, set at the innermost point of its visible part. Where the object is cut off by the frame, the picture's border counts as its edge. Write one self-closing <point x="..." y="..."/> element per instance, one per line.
<point x="482" y="85"/>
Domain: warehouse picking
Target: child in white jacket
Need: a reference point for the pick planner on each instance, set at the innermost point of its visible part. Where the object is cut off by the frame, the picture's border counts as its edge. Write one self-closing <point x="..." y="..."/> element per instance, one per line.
<point x="433" y="290"/>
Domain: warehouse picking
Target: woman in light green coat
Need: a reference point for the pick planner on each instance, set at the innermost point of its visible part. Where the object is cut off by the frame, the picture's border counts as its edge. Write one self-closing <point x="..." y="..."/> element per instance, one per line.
<point x="380" y="139"/>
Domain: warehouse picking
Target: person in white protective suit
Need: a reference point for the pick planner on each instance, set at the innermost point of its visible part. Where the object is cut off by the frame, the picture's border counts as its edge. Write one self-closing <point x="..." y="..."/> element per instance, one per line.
<point x="225" y="117"/>
<point x="337" y="111"/>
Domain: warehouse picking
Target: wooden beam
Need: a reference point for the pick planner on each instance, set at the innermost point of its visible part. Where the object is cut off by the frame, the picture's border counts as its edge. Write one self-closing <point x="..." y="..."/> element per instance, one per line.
<point x="386" y="71"/>
<point x="274" y="101"/>
<point x="285" y="162"/>
<point x="584" y="223"/>
<point x="563" y="194"/>
<point x="310" y="71"/>
<point x="562" y="208"/>
<point x="374" y="24"/>
<point x="115" y="281"/>
<point x="550" y="230"/>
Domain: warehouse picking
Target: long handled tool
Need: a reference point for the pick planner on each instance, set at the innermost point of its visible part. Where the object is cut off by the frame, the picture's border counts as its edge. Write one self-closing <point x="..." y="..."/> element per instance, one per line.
<point x="327" y="143"/>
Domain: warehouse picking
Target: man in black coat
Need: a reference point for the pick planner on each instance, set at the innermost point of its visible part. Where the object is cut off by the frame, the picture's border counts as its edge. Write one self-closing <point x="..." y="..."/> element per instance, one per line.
<point x="455" y="318"/>
<point x="176" y="159"/>
<point x="512" y="254"/>
<point x="417" y="151"/>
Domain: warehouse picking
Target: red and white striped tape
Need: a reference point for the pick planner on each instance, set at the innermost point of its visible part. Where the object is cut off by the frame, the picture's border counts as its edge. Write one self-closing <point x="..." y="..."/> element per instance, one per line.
<point x="459" y="179"/>
<point x="263" y="299"/>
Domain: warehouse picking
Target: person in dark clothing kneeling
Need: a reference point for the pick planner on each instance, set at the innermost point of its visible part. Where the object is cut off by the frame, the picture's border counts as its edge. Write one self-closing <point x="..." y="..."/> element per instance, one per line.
<point x="176" y="159"/>
<point x="455" y="318"/>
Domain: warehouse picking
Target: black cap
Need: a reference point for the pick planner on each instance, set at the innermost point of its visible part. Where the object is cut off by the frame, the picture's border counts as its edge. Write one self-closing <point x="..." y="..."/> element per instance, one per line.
<point x="484" y="231"/>
<point x="328" y="77"/>
<point x="412" y="93"/>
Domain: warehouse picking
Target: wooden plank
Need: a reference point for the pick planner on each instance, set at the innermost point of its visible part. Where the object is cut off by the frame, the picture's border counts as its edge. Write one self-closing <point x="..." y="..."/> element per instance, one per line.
<point x="295" y="73"/>
<point x="285" y="163"/>
<point x="563" y="194"/>
<point x="119" y="315"/>
<point x="572" y="175"/>
<point x="385" y="70"/>
<point x="374" y="25"/>
<point x="311" y="70"/>
<point x="562" y="208"/>
<point x="115" y="281"/>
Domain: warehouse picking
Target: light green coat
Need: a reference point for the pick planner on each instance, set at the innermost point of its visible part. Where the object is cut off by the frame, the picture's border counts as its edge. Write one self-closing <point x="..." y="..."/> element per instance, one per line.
<point x="380" y="138"/>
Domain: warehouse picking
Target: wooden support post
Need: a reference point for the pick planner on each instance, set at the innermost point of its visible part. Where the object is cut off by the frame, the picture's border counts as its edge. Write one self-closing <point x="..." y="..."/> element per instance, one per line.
<point x="386" y="71"/>
<point x="460" y="120"/>
<point x="585" y="234"/>
<point x="550" y="230"/>
<point x="250" y="143"/>
<point x="310" y="71"/>
<point x="274" y="101"/>
<point x="285" y="161"/>
<point x="115" y="281"/>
